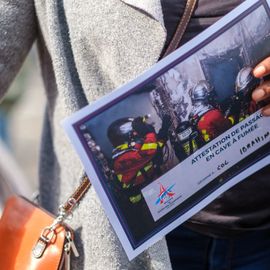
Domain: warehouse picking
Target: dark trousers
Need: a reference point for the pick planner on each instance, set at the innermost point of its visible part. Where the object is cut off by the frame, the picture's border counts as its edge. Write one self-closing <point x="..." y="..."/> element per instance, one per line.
<point x="193" y="251"/>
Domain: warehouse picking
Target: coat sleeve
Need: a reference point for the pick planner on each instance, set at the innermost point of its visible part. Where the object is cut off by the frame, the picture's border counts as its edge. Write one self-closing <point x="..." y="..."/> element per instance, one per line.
<point x="17" y="34"/>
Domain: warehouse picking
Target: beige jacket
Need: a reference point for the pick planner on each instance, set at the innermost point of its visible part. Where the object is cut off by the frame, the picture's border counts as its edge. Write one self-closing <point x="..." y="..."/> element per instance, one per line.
<point x="87" y="49"/>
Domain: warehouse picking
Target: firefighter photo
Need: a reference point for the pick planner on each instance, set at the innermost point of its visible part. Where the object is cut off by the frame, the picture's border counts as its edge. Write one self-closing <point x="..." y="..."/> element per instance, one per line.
<point x="242" y="105"/>
<point x="137" y="153"/>
<point x="208" y="119"/>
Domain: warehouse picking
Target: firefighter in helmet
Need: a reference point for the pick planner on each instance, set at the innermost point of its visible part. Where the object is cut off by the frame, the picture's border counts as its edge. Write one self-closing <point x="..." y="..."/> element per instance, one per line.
<point x="189" y="140"/>
<point x="207" y="119"/>
<point x="185" y="140"/>
<point x="242" y="104"/>
<point x="137" y="153"/>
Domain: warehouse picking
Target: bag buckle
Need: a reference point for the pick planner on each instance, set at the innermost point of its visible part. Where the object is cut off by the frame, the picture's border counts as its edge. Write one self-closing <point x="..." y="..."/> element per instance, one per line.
<point x="45" y="238"/>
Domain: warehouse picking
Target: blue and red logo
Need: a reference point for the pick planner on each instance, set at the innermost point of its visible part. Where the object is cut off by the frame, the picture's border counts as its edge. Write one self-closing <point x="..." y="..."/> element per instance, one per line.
<point x="165" y="194"/>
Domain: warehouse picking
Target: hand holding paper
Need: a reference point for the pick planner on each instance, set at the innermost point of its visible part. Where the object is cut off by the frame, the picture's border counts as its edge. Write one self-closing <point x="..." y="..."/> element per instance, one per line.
<point x="263" y="91"/>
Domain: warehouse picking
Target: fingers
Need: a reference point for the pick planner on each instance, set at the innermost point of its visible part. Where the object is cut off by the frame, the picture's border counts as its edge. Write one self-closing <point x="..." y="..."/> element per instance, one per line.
<point x="262" y="69"/>
<point x="266" y="110"/>
<point x="259" y="94"/>
<point x="262" y="93"/>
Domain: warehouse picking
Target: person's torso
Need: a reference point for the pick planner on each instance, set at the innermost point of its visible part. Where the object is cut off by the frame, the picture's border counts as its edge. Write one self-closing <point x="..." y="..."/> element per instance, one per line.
<point x="206" y="13"/>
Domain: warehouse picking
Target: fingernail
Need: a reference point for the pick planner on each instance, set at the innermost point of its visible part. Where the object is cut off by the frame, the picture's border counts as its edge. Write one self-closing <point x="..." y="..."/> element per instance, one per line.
<point x="259" y="94"/>
<point x="259" y="71"/>
<point x="266" y="112"/>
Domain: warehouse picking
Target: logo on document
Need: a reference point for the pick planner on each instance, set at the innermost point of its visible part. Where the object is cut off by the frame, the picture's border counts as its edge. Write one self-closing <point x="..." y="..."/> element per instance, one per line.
<point x="165" y="194"/>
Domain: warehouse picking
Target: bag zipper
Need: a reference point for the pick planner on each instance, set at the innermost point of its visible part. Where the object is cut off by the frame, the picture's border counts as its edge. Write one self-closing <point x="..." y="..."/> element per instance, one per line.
<point x="68" y="247"/>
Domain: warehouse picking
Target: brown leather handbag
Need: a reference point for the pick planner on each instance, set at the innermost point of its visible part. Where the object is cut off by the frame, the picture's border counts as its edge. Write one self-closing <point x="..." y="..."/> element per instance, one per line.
<point x="33" y="239"/>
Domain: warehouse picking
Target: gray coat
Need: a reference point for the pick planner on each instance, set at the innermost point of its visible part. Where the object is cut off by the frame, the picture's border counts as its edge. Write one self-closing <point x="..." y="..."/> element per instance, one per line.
<point x="87" y="49"/>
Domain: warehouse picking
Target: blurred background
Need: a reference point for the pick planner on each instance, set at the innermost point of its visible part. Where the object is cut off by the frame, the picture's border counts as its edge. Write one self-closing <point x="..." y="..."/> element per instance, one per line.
<point x="21" y="114"/>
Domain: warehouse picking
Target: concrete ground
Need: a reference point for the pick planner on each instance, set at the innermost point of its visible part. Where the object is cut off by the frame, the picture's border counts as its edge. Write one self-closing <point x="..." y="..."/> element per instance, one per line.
<point x="25" y="123"/>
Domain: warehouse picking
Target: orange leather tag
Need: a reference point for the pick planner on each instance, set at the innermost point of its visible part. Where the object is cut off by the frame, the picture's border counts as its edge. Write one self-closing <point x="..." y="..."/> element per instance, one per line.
<point x="20" y="228"/>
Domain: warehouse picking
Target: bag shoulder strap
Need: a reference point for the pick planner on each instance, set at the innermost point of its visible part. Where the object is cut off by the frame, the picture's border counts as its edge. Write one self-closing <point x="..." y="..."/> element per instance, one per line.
<point x="77" y="195"/>
<point x="181" y="27"/>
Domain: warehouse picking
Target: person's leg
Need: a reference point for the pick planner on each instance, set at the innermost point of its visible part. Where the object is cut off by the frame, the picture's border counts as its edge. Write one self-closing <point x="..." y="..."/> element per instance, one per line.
<point x="219" y="254"/>
<point x="188" y="250"/>
<point x="251" y="252"/>
<point x="192" y="251"/>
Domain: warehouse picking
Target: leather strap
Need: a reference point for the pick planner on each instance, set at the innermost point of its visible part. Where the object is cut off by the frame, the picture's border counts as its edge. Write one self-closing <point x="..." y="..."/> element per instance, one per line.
<point x="77" y="195"/>
<point x="181" y="28"/>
